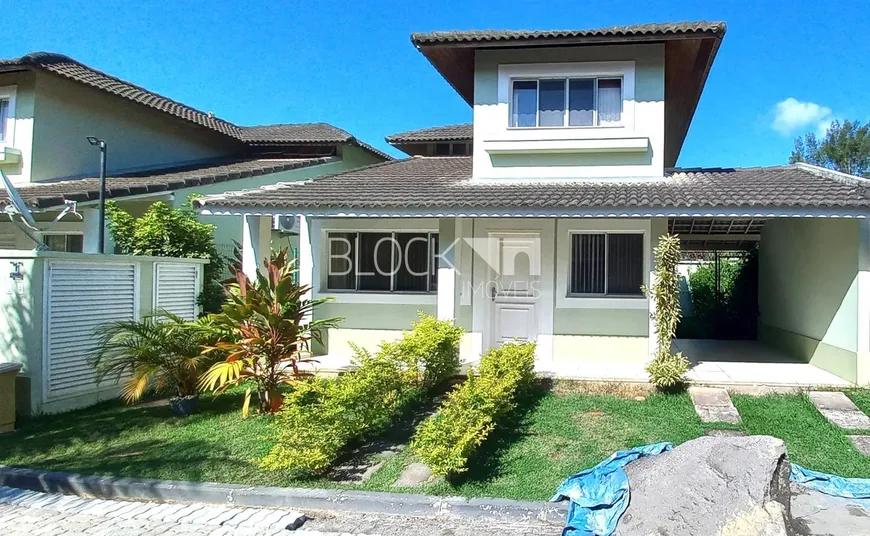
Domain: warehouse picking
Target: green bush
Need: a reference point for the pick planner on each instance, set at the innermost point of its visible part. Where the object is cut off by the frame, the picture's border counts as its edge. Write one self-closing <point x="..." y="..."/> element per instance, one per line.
<point x="448" y="439"/>
<point x="319" y="418"/>
<point x="667" y="371"/>
<point x="431" y="349"/>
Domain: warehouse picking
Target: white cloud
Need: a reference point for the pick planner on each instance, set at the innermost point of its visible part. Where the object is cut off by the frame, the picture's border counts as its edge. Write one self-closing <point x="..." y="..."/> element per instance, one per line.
<point x="794" y="116"/>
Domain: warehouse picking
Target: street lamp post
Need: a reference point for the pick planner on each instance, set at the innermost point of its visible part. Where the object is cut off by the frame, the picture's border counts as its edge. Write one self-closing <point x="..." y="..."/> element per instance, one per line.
<point x="96" y="142"/>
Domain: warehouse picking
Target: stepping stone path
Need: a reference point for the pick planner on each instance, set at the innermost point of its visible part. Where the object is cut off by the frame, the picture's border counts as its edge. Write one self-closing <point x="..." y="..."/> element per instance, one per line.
<point x="364" y="462"/>
<point x="414" y="476"/>
<point x="713" y="404"/>
<point x="862" y="443"/>
<point x="840" y="410"/>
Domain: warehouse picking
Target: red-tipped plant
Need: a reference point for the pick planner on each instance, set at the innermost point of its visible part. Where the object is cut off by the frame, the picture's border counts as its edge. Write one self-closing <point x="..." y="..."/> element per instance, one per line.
<point x="267" y="329"/>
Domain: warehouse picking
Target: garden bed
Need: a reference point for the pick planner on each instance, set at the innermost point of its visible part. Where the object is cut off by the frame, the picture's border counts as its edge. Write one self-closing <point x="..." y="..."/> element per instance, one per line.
<point x="554" y="434"/>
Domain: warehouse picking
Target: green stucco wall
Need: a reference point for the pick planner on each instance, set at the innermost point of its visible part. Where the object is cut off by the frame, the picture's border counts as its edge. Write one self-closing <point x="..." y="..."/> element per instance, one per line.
<point x="601" y="322"/>
<point x="66" y="113"/>
<point x="808" y="291"/>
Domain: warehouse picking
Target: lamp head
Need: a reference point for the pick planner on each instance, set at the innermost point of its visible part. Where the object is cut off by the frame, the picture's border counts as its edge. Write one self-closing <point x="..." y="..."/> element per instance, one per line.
<point x="96" y="142"/>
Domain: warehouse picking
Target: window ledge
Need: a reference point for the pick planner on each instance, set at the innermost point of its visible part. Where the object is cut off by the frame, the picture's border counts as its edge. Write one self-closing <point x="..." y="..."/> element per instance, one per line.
<point x="8" y="155"/>
<point x="393" y="298"/>
<point x="639" y="144"/>
<point x="578" y="302"/>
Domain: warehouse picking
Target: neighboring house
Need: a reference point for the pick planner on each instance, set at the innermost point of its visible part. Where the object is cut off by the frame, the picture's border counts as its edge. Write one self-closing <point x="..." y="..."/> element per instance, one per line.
<point x="158" y="149"/>
<point x="546" y="231"/>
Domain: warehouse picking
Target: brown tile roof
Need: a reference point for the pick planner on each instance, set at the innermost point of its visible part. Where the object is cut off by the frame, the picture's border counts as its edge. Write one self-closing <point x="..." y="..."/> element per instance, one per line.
<point x="294" y="132"/>
<point x="49" y="194"/>
<point x="442" y="183"/>
<point x="301" y="133"/>
<point x="595" y="35"/>
<point x="427" y="135"/>
<point x="71" y="69"/>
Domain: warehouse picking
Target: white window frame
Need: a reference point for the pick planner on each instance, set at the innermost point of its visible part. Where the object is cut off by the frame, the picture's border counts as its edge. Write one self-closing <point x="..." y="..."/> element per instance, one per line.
<point x="65" y="234"/>
<point x="567" y="112"/>
<point x="624" y="70"/>
<point x="9" y="93"/>
<point x="606" y="235"/>
<point x="429" y="290"/>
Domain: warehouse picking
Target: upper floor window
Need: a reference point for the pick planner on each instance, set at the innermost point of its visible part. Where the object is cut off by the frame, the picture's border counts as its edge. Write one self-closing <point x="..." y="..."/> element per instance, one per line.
<point x="7" y="115"/>
<point x="4" y="118"/>
<point x="566" y="102"/>
<point x="452" y="149"/>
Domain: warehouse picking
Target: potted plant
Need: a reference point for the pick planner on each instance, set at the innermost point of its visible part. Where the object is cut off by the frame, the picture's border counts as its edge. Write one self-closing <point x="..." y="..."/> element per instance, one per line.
<point x="162" y="352"/>
<point x="267" y="329"/>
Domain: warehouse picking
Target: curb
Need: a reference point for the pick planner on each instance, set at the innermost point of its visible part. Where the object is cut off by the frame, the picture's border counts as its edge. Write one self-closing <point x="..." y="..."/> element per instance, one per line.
<point x="302" y="499"/>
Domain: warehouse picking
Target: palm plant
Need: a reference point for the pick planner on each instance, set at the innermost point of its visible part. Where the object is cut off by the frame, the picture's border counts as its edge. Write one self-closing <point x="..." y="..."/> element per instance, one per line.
<point x="268" y="329"/>
<point x="159" y="353"/>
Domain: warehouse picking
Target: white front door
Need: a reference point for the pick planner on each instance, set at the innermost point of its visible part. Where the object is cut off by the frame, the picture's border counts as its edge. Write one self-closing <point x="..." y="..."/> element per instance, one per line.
<point x="514" y="287"/>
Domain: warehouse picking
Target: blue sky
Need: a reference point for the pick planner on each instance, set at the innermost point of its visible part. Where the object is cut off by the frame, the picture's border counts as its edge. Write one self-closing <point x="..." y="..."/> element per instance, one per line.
<point x="784" y="67"/>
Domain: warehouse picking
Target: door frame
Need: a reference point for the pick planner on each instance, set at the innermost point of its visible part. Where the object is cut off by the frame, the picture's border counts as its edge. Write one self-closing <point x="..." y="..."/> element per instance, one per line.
<point x="481" y="273"/>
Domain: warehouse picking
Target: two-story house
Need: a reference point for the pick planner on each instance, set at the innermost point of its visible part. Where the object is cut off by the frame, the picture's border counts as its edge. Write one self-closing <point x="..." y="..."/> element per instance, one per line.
<point x="538" y="220"/>
<point x="157" y="150"/>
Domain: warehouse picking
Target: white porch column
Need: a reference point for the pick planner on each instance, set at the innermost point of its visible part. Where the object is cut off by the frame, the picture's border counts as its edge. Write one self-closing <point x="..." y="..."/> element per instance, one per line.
<point x="446" y="297"/>
<point x="305" y="264"/>
<point x="91" y="231"/>
<point x="863" y="317"/>
<point x="256" y="243"/>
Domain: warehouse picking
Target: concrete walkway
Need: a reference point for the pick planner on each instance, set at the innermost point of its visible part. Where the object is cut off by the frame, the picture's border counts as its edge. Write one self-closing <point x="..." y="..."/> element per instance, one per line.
<point x="713" y="404"/>
<point x="840" y="410"/>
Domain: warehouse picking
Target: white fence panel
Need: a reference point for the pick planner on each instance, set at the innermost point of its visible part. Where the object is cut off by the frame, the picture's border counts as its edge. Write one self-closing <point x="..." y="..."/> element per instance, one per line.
<point x="79" y="297"/>
<point x="7" y="240"/>
<point x="176" y="288"/>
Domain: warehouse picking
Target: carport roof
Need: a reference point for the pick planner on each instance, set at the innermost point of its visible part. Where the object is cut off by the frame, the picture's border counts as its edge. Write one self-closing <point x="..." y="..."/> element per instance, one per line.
<point x="444" y="185"/>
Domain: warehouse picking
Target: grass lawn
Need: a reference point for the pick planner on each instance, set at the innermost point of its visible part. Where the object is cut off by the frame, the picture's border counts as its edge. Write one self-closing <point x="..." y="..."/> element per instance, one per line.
<point x="811" y="440"/>
<point x="551" y="438"/>
<point x="552" y="435"/>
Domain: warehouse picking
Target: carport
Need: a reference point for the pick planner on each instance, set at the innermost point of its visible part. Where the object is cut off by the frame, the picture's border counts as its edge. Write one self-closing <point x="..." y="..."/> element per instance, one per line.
<point x="810" y="320"/>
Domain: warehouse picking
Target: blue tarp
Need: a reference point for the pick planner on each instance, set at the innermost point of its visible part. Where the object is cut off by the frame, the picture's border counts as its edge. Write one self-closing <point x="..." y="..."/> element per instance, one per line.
<point x="599" y="496"/>
<point x="849" y="488"/>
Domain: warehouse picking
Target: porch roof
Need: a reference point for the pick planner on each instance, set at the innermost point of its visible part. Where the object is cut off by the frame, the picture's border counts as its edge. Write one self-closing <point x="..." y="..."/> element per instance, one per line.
<point x="43" y="195"/>
<point x="443" y="186"/>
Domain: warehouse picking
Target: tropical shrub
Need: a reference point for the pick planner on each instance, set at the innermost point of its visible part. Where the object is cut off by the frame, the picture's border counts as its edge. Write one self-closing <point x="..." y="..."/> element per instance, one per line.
<point x="447" y="440"/>
<point x="161" y="352"/>
<point x="266" y="328"/>
<point x="431" y="349"/>
<point x="321" y="417"/>
<point x="666" y="370"/>
<point x="164" y="231"/>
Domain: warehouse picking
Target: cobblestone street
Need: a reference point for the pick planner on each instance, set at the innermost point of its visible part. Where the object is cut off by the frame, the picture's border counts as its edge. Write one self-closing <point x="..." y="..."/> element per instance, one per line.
<point x="28" y="513"/>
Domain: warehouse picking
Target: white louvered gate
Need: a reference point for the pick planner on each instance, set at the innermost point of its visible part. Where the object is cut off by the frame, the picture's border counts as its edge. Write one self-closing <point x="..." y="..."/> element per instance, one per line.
<point x="7" y="240"/>
<point x="79" y="297"/>
<point x="176" y="288"/>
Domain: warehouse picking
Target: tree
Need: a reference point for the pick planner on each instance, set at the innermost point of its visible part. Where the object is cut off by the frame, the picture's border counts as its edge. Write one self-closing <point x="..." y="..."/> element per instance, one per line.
<point x="845" y="148"/>
<point x="164" y="231"/>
